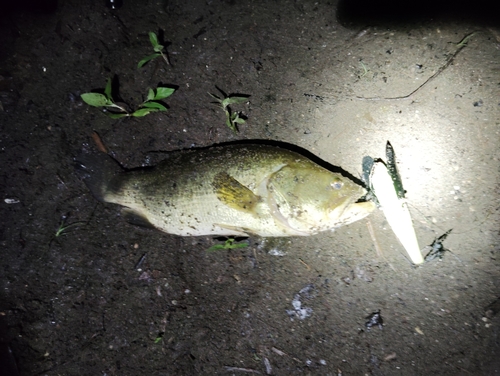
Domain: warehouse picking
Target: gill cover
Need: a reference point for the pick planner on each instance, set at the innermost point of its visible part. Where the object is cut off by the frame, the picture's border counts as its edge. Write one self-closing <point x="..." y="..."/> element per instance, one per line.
<point x="309" y="197"/>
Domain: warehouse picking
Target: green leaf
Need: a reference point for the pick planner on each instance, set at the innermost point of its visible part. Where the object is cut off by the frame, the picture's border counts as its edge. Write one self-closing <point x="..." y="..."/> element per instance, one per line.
<point x="151" y="94"/>
<point x="158" y="48"/>
<point x="107" y="90"/>
<point x="156" y="105"/>
<point x="153" y="39"/>
<point x="114" y="115"/>
<point x="234" y="100"/>
<point x="143" y="112"/>
<point x="163" y="92"/>
<point x="231" y="125"/>
<point x="225" y="102"/>
<point x="238" y="245"/>
<point x="239" y="120"/>
<point x="95" y="99"/>
<point x="159" y="337"/>
<point x="146" y="59"/>
<point x="228" y="244"/>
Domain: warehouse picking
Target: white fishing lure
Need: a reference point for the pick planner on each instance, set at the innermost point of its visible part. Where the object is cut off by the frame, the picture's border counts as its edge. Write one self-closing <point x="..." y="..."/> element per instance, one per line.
<point x="395" y="210"/>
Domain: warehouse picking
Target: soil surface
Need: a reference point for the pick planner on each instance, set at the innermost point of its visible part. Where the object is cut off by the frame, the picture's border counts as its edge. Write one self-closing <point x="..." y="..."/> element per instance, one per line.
<point x="83" y="292"/>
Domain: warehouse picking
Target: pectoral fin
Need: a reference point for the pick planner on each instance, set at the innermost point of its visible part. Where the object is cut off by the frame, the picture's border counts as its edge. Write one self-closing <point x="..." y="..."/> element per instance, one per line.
<point x="234" y="194"/>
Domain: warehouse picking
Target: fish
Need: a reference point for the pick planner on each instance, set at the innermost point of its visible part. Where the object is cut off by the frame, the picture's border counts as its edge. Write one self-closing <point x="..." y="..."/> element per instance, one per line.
<point x="229" y="190"/>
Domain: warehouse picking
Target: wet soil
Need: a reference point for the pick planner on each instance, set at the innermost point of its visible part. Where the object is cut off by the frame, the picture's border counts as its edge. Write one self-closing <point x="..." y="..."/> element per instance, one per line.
<point x="104" y="297"/>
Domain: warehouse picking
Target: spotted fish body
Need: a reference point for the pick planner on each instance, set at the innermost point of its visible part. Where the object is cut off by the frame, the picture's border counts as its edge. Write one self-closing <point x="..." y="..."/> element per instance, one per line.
<point x="233" y="190"/>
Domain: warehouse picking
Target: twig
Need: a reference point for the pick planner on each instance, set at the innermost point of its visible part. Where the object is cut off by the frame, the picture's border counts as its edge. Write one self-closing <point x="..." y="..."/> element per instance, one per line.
<point x="282" y="353"/>
<point x="98" y="142"/>
<point x="140" y="262"/>
<point x="238" y="369"/>
<point x="307" y="266"/>
<point x="278" y="351"/>
<point x="460" y="45"/>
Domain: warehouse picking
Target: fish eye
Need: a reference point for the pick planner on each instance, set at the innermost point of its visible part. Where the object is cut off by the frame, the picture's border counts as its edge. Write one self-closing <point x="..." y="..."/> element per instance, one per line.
<point x="336" y="184"/>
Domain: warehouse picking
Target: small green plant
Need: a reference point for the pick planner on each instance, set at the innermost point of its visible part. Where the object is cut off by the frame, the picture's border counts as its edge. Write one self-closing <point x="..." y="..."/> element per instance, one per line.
<point x="63" y="229"/>
<point x="228" y="244"/>
<point x="365" y="69"/>
<point x="159" y="337"/>
<point x="232" y="118"/>
<point x="158" y="49"/>
<point x="105" y="100"/>
<point x="64" y="226"/>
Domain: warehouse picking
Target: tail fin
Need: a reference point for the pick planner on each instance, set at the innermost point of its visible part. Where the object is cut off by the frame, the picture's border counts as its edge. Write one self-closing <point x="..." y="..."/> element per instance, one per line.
<point x="99" y="172"/>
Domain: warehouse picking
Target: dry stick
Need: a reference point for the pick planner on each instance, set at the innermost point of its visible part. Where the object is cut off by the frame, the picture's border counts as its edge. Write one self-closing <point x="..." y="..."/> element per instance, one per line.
<point x="238" y="369"/>
<point x="98" y="142"/>
<point x="307" y="266"/>
<point x="282" y="353"/>
<point x="460" y="45"/>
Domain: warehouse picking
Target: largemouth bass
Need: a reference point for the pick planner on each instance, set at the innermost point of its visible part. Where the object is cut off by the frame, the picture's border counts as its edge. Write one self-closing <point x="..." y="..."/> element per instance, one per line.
<point x="233" y="190"/>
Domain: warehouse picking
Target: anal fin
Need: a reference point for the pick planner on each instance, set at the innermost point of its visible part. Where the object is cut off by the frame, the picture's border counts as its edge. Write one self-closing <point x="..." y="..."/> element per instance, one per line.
<point x="236" y="230"/>
<point x="134" y="217"/>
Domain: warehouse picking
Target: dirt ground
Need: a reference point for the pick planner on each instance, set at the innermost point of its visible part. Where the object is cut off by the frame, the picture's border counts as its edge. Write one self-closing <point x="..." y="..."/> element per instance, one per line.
<point x="105" y="297"/>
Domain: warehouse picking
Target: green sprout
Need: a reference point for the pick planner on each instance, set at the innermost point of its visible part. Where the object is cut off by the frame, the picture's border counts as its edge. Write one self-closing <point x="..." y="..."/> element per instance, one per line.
<point x="159" y="337"/>
<point x="151" y="104"/>
<point x="158" y="49"/>
<point x="228" y="244"/>
<point x="232" y="118"/>
<point x="365" y="70"/>
<point x="465" y="40"/>
<point x="63" y="227"/>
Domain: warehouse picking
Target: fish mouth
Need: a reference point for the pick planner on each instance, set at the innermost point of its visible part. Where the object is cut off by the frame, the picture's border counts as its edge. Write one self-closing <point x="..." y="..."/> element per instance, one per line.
<point x="339" y="207"/>
<point x="353" y="211"/>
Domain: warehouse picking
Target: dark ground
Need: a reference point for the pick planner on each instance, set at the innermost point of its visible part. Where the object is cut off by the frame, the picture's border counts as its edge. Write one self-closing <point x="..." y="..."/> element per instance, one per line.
<point x="78" y="304"/>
